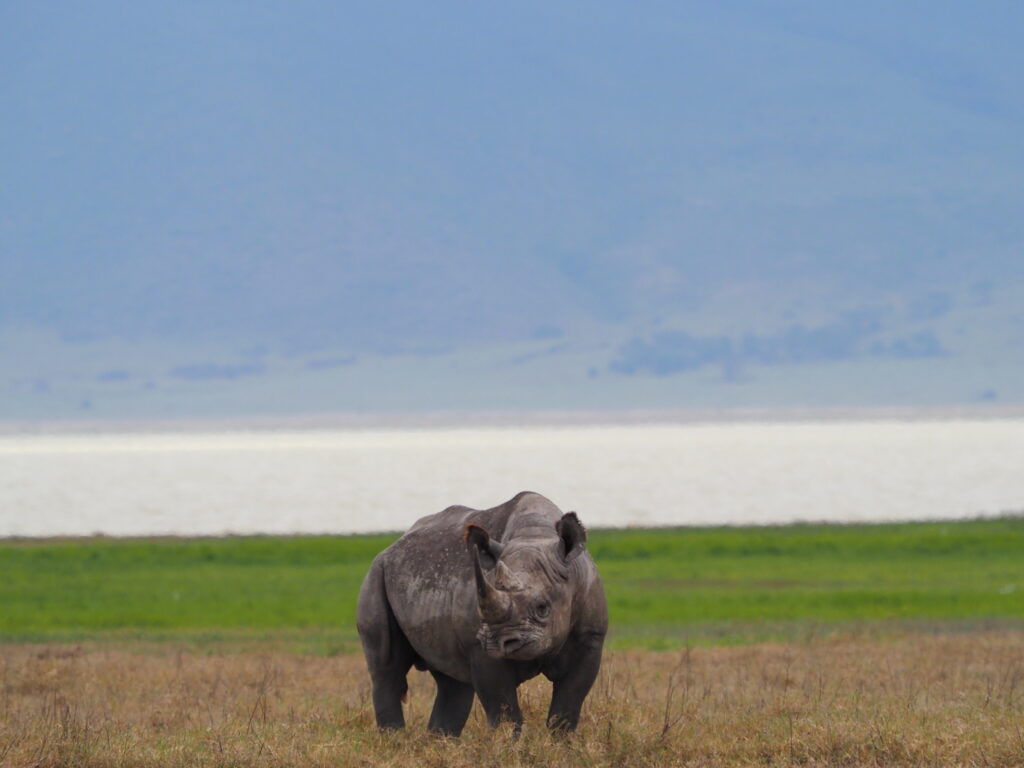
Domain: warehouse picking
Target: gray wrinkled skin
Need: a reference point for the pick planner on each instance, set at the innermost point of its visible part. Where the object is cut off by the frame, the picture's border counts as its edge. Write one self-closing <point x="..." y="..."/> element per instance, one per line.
<point x="483" y="600"/>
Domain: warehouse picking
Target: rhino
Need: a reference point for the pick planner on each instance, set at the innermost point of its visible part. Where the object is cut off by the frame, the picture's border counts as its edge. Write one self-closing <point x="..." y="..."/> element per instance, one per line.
<point x="483" y="600"/>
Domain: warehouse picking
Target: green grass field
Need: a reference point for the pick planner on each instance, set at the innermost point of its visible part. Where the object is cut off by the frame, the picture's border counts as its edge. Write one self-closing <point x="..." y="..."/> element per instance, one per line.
<point x="665" y="587"/>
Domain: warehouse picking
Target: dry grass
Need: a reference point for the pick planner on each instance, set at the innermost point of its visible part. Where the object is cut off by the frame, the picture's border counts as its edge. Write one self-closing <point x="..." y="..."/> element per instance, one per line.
<point x="915" y="701"/>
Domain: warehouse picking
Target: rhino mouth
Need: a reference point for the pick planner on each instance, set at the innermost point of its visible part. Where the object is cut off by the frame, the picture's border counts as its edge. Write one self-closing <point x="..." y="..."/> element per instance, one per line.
<point x="517" y="645"/>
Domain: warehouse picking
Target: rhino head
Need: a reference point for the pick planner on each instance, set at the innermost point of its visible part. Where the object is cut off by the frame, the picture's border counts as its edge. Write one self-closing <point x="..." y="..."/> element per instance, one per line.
<point x="524" y="589"/>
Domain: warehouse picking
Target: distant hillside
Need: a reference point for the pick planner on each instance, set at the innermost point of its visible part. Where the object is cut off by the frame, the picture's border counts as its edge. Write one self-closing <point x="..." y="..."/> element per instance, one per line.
<point x="310" y="205"/>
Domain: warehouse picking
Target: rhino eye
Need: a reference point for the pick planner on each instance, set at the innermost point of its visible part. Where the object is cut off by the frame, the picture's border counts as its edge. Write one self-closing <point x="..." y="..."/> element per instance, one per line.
<point x="542" y="610"/>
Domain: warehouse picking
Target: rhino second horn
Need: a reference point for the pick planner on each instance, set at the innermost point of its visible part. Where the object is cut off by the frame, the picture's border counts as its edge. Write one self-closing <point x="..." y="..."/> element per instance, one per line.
<point x="494" y="604"/>
<point x="505" y="579"/>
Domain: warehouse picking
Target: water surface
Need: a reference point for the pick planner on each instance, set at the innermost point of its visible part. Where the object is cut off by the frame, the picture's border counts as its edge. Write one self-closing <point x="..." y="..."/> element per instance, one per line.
<point x="344" y="481"/>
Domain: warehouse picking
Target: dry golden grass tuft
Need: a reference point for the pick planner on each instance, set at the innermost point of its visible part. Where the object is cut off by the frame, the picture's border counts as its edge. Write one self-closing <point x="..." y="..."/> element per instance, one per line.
<point x="915" y="701"/>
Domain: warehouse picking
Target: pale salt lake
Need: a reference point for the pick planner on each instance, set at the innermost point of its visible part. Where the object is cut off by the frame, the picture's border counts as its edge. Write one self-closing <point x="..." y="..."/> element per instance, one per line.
<point x="364" y="480"/>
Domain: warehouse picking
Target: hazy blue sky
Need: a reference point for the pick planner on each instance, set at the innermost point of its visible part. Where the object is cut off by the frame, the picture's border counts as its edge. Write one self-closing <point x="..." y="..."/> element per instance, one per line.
<point x="731" y="184"/>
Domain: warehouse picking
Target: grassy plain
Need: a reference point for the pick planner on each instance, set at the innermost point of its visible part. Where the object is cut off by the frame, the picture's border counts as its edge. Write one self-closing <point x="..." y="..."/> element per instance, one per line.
<point x="877" y="645"/>
<point x="923" y="700"/>
<point x="666" y="588"/>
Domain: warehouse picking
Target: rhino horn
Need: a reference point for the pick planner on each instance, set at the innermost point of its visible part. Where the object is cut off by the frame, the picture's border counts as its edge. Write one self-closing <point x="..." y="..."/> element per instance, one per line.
<point x="494" y="604"/>
<point x="505" y="579"/>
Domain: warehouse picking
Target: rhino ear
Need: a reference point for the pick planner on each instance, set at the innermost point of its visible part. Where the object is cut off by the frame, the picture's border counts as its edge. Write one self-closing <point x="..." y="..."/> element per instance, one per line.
<point x="573" y="536"/>
<point x="476" y="537"/>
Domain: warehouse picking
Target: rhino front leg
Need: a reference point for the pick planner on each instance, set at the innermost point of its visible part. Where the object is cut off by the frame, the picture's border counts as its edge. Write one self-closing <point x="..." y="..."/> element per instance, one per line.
<point x="573" y="678"/>
<point x="495" y="683"/>
<point x="452" y="705"/>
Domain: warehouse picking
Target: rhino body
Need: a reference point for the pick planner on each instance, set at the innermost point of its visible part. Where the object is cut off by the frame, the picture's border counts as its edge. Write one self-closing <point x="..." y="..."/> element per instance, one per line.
<point x="483" y="600"/>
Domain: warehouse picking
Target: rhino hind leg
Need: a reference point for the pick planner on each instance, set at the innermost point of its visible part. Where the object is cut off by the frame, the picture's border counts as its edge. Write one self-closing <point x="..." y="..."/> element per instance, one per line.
<point x="452" y="705"/>
<point x="389" y="655"/>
